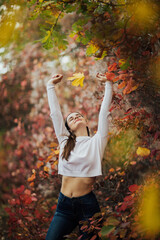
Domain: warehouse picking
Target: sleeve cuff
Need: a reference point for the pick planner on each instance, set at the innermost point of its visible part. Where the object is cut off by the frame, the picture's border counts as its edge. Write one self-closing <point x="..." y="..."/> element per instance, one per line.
<point x="50" y="85"/>
<point x="109" y="84"/>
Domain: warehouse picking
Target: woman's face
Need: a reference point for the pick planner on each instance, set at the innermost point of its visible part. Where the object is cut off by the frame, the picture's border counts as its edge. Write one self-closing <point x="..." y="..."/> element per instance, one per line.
<point x="75" y="120"/>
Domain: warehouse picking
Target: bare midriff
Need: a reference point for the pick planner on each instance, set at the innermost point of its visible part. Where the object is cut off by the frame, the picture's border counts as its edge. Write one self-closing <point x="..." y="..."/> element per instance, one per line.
<point x="76" y="186"/>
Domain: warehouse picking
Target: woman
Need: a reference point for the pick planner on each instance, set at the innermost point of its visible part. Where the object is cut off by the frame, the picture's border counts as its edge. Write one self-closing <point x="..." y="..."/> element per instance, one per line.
<point x="79" y="162"/>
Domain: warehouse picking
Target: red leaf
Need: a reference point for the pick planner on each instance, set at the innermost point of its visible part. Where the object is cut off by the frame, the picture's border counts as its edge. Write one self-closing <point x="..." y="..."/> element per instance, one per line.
<point x="37" y="214"/>
<point x="127" y="198"/>
<point x="23" y="212"/>
<point x="94" y="237"/>
<point x="19" y="190"/>
<point x="112" y="67"/>
<point x="8" y="210"/>
<point x="157" y="134"/>
<point x="133" y="188"/>
<point x="54" y="207"/>
<point x="128" y="111"/>
<point x="110" y="75"/>
<point x="29" y="218"/>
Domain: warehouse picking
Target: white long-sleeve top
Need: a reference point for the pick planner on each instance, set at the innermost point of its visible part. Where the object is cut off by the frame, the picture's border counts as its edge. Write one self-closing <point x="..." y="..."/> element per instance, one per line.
<point x="86" y="157"/>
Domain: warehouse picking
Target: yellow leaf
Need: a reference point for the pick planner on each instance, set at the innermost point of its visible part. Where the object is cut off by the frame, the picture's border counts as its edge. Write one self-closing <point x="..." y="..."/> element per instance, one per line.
<point x="77" y="78"/>
<point x="91" y="48"/>
<point x="7" y="28"/>
<point x="143" y="151"/>
<point x="46" y="169"/>
<point x="122" y="61"/>
<point x="149" y="209"/>
<point x="48" y="158"/>
<point x="46" y="37"/>
<point x="56" y="151"/>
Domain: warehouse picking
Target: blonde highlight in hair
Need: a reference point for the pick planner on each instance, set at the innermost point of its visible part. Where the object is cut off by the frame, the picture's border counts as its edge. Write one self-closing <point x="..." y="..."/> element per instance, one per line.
<point x="71" y="141"/>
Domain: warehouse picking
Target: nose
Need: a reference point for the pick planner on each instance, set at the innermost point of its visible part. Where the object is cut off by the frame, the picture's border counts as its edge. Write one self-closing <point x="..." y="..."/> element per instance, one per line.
<point x="76" y="118"/>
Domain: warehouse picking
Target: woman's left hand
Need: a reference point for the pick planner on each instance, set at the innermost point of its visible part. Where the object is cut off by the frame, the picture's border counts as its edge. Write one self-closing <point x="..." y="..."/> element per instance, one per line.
<point x="102" y="77"/>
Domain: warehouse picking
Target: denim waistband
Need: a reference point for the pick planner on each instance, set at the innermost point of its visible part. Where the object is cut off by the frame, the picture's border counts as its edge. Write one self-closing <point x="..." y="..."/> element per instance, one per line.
<point x="80" y="197"/>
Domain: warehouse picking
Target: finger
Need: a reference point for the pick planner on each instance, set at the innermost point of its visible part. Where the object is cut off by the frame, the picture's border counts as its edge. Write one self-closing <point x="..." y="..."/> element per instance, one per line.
<point x="54" y="75"/>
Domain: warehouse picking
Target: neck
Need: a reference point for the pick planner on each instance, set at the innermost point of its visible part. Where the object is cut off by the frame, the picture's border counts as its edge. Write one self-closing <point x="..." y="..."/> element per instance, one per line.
<point x="81" y="132"/>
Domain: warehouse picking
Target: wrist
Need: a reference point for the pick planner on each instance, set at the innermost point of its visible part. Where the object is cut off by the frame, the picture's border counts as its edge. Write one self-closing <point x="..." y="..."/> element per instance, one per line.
<point x="109" y="83"/>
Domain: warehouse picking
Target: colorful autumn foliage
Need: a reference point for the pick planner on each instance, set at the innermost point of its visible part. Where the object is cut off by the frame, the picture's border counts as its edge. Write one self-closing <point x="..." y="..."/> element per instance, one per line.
<point x="93" y="33"/>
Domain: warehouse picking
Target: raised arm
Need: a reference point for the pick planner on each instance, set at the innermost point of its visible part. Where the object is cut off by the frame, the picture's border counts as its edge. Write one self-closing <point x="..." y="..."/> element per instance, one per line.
<point x="104" y="110"/>
<point x="55" y="113"/>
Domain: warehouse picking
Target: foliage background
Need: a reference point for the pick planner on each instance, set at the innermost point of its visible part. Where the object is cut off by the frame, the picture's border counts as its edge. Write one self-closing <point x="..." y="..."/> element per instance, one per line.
<point x="120" y="38"/>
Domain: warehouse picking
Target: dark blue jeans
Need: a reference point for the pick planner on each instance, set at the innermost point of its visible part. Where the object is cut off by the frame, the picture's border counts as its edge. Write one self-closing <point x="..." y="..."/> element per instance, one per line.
<point x="68" y="214"/>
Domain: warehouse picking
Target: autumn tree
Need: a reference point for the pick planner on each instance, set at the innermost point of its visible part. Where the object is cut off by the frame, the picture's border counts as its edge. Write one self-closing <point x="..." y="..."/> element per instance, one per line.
<point x="123" y="36"/>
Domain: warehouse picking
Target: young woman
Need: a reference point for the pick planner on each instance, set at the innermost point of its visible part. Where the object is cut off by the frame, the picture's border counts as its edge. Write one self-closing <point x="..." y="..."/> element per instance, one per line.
<point x="79" y="162"/>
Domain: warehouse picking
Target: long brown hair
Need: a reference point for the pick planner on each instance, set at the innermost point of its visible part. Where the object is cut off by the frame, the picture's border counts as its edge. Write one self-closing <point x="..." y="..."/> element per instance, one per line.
<point x="71" y="141"/>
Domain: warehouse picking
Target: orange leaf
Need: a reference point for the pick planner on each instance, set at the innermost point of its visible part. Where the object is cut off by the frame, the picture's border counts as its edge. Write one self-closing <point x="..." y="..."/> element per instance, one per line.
<point x="128" y="88"/>
<point x="39" y="164"/>
<point x="116" y="79"/>
<point x="112" y="67"/>
<point x="31" y="184"/>
<point x="134" y="87"/>
<point x="122" y="85"/>
<point x="111" y="170"/>
<point x="133" y="162"/>
<point x="53" y="144"/>
<point x="31" y="178"/>
<point x="107" y="198"/>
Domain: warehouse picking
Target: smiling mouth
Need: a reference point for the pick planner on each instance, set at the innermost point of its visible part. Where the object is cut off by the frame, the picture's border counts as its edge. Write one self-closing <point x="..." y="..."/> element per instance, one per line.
<point x="78" y="120"/>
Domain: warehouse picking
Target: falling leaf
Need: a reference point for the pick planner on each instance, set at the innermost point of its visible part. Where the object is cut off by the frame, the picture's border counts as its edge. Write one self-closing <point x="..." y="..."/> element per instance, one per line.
<point x="149" y="209"/>
<point x="77" y="79"/>
<point x="143" y="151"/>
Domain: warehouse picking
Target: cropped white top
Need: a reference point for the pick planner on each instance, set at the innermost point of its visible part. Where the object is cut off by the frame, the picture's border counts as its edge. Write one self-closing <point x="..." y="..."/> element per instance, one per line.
<point x="85" y="159"/>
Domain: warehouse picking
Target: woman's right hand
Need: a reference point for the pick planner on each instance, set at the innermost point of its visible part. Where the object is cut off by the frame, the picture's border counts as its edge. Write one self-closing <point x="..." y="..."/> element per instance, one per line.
<point x="56" y="78"/>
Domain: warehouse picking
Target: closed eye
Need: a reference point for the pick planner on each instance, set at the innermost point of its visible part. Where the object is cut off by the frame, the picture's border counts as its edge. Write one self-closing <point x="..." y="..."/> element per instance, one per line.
<point x="71" y="118"/>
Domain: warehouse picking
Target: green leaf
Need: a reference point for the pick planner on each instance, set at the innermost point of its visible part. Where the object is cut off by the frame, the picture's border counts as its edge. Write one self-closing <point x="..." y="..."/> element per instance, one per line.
<point x="91" y="49"/>
<point x="126" y="64"/>
<point x="107" y="229"/>
<point x="47" y="3"/>
<point x="70" y="8"/>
